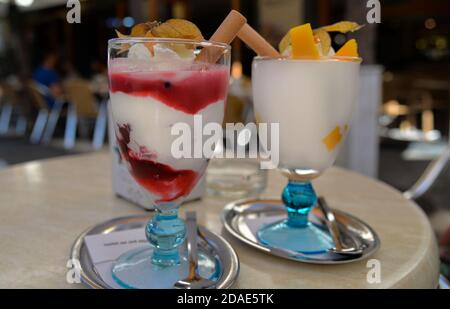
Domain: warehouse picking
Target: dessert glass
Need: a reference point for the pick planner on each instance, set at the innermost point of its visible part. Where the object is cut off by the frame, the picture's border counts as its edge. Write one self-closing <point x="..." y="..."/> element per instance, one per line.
<point x="312" y="101"/>
<point x="155" y="84"/>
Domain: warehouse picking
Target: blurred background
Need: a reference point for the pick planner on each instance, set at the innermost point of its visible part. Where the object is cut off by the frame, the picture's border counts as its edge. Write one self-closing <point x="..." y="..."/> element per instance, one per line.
<point x="54" y="88"/>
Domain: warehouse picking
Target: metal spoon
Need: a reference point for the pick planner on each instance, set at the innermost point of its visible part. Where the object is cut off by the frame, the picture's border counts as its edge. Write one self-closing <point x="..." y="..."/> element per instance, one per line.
<point x="193" y="280"/>
<point x="335" y="232"/>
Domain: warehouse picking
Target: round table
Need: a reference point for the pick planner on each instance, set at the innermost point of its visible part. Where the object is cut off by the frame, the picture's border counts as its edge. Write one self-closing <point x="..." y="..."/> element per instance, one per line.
<point x="45" y="205"/>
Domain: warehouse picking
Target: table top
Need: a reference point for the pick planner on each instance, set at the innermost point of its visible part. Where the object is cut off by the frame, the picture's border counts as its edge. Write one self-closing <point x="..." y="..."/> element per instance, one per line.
<point x="45" y="205"/>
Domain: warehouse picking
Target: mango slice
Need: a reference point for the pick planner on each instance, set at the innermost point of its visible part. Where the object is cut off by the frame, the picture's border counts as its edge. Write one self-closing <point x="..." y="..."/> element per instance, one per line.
<point x="303" y="43"/>
<point x="319" y="37"/>
<point x="333" y="139"/>
<point x="350" y="49"/>
<point x="323" y="35"/>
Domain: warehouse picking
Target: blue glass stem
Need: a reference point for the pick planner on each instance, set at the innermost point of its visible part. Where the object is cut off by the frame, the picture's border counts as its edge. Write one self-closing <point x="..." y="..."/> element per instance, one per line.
<point x="166" y="232"/>
<point x="299" y="198"/>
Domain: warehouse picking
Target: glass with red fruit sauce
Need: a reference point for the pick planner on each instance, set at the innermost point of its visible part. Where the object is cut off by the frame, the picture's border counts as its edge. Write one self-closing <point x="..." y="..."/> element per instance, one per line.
<point x="156" y="85"/>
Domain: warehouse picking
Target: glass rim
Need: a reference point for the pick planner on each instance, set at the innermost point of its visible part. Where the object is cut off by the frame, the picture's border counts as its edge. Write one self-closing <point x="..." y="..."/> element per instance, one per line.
<point x="329" y="59"/>
<point x="203" y="43"/>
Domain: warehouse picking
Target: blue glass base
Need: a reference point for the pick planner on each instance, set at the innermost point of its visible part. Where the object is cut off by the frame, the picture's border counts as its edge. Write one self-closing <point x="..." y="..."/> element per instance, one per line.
<point x="307" y="239"/>
<point x="136" y="269"/>
<point x="297" y="233"/>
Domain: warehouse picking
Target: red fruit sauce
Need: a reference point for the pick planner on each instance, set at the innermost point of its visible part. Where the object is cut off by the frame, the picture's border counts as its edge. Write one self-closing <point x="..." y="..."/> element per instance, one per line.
<point x="190" y="94"/>
<point x="157" y="178"/>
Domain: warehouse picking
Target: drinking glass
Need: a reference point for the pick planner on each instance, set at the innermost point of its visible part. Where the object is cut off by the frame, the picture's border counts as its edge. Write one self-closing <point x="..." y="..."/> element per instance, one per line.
<point x="312" y="101"/>
<point x="155" y="85"/>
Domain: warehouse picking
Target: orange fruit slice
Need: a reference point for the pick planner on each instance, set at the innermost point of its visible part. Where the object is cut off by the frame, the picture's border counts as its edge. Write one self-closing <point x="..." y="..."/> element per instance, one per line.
<point x="350" y="49"/>
<point x="303" y="43"/>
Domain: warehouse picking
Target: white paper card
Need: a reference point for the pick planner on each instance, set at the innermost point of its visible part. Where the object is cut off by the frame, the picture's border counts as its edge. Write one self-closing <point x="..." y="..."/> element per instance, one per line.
<point x="104" y="249"/>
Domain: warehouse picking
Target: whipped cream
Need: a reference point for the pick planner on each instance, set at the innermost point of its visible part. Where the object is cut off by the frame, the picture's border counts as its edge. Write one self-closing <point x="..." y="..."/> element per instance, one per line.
<point x="163" y="57"/>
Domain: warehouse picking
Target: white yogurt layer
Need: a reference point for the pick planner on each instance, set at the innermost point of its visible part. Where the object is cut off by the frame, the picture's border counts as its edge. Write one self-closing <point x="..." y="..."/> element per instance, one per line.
<point x="151" y="122"/>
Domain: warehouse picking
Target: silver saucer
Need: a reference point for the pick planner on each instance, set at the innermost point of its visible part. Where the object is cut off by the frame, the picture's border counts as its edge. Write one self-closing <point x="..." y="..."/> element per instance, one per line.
<point x="215" y="245"/>
<point x="237" y="215"/>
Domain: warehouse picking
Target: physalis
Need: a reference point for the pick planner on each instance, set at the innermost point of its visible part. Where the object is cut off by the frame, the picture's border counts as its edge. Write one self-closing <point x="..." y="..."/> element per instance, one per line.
<point x="172" y="28"/>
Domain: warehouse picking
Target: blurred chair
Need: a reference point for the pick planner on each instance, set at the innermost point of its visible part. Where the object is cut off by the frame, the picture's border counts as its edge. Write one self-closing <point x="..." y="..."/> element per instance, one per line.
<point x="37" y="94"/>
<point x="52" y="121"/>
<point x="431" y="173"/>
<point x="10" y="106"/>
<point x="423" y="184"/>
<point x="444" y="284"/>
<point x="5" y="112"/>
<point x="83" y="106"/>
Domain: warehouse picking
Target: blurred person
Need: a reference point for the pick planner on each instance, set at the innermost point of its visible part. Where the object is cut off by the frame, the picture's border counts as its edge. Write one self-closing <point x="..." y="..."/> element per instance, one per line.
<point x="47" y="77"/>
<point x="69" y="72"/>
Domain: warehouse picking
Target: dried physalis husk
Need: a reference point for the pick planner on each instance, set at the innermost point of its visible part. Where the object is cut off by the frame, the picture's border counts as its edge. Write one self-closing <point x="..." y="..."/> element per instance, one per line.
<point x="140" y="30"/>
<point x="165" y="31"/>
<point x="123" y="47"/>
<point x="325" y="40"/>
<point x="145" y="30"/>
<point x="120" y="35"/>
<point x="172" y="28"/>
<point x="180" y="29"/>
<point x="284" y="43"/>
<point x="187" y="29"/>
<point x="177" y="28"/>
<point x="342" y="27"/>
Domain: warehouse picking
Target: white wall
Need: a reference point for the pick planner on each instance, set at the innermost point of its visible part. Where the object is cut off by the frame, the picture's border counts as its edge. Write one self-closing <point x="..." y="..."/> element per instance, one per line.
<point x="361" y="150"/>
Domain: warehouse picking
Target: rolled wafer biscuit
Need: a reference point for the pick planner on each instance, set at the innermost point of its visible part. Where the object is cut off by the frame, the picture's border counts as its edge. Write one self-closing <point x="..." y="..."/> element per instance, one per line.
<point x="256" y="42"/>
<point x="226" y="33"/>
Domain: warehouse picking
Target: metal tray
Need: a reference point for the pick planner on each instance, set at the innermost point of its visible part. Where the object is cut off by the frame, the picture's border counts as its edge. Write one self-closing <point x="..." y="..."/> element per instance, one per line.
<point x="214" y="244"/>
<point x="236" y="216"/>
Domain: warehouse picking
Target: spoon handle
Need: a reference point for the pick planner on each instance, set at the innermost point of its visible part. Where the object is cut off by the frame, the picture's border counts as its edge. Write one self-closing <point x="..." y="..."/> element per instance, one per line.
<point x="191" y="222"/>
<point x="331" y="223"/>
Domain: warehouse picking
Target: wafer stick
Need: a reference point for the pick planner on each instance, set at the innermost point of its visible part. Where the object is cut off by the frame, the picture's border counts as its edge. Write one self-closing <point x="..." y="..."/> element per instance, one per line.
<point x="256" y="42"/>
<point x="226" y="33"/>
